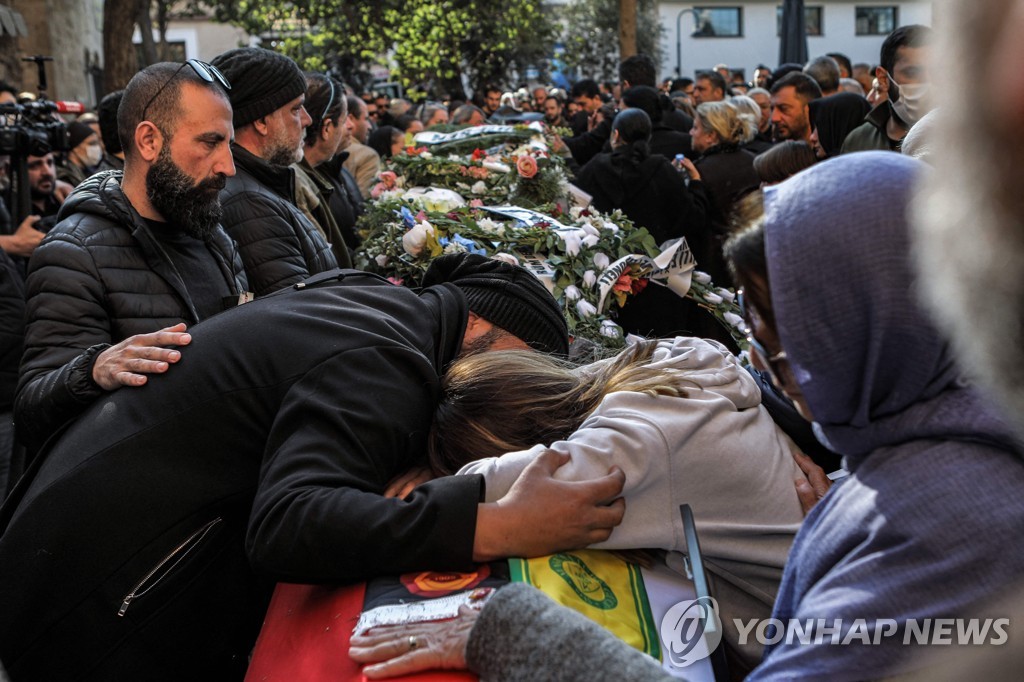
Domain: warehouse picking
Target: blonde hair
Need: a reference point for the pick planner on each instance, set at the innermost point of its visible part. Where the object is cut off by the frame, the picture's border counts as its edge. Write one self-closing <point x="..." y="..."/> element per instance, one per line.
<point x="503" y="401"/>
<point x="725" y="120"/>
<point x="749" y="110"/>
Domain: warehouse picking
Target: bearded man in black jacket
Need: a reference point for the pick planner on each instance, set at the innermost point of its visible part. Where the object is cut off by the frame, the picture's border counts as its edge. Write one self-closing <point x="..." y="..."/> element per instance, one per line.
<point x="142" y="544"/>
<point x="134" y="257"/>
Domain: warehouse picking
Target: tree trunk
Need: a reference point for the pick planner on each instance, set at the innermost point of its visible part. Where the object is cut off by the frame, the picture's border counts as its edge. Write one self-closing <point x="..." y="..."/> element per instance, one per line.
<point x="145" y="22"/>
<point x="119" y="63"/>
<point x="163" y="49"/>
<point x="627" y="28"/>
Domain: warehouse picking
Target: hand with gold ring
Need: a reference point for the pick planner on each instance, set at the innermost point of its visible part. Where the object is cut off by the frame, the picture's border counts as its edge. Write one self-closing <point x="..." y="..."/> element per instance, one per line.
<point x="402" y="649"/>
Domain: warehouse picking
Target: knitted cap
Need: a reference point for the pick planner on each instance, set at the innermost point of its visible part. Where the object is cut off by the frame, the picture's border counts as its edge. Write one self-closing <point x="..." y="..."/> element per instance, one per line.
<point x="77" y="132"/>
<point x="507" y="296"/>
<point x="262" y="81"/>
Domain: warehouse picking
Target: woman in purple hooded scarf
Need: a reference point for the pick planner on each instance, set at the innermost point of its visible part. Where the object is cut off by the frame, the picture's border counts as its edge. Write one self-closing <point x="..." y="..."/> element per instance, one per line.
<point x="929" y="522"/>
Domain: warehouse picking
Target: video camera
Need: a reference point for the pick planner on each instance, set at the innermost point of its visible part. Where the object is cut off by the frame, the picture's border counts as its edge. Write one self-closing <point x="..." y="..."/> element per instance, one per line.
<point x="31" y="129"/>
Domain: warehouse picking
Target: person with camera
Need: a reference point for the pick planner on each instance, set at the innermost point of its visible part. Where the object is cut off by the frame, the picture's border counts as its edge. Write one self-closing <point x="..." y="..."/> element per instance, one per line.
<point x="136" y="256"/>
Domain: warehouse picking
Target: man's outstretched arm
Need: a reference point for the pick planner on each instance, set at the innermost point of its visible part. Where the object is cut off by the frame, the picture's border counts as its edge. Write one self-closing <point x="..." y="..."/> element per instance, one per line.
<point x="541" y="515"/>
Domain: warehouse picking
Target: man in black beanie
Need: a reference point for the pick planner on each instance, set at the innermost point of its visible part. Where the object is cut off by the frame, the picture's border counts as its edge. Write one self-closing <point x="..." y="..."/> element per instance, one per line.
<point x="279" y="245"/>
<point x="146" y="541"/>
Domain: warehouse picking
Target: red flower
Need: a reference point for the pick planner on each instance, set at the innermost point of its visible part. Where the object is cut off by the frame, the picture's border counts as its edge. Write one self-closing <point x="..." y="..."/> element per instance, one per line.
<point x="527" y="166"/>
<point x="639" y="285"/>
<point x="479" y="154"/>
<point x="624" y="284"/>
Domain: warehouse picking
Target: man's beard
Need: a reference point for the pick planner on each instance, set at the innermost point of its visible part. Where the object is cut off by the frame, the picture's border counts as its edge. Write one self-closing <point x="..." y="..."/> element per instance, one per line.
<point x="283" y="152"/>
<point x="195" y="208"/>
<point x="39" y="195"/>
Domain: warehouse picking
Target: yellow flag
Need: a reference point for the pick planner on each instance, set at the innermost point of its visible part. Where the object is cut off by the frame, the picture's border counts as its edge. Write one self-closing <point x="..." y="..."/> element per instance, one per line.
<point x="599" y="585"/>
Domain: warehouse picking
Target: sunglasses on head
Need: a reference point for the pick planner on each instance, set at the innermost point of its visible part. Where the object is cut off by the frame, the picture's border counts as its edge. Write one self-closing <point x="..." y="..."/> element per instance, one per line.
<point x="208" y="72"/>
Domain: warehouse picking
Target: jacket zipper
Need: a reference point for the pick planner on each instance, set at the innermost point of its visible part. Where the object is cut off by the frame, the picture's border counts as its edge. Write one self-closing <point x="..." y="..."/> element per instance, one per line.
<point x="166" y="565"/>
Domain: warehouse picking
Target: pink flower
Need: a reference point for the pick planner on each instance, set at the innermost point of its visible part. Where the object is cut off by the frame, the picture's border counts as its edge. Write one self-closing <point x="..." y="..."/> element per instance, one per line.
<point x="397" y="281"/>
<point x="527" y="166"/>
<point x="421" y="216"/>
<point x="377" y="190"/>
<point x="388" y="179"/>
<point x="476" y="203"/>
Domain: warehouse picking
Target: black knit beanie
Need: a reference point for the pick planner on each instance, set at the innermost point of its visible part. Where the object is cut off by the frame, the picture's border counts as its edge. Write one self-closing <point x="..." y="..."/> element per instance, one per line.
<point x="262" y="81"/>
<point x="77" y="132"/>
<point x="507" y="296"/>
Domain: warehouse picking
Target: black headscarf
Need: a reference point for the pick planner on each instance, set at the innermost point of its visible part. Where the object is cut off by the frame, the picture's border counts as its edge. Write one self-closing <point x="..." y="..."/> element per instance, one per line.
<point x="835" y="116"/>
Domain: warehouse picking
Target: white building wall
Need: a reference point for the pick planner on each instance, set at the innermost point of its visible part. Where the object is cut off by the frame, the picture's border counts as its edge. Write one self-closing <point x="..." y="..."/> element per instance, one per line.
<point x="760" y="44"/>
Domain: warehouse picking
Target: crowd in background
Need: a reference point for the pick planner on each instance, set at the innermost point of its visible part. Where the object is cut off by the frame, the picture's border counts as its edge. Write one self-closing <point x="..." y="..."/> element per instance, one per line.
<point x="201" y="187"/>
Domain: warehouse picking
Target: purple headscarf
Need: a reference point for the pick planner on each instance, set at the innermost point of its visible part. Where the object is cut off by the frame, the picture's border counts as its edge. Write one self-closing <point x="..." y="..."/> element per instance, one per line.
<point x="871" y="365"/>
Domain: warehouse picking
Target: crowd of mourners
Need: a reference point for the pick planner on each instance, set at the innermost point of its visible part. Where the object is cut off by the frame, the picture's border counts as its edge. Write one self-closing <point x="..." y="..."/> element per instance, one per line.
<point x="200" y="397"/>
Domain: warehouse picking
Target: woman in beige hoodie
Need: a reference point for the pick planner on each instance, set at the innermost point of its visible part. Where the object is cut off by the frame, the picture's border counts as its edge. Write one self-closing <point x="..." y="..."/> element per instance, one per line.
<point x="679" y="416"/>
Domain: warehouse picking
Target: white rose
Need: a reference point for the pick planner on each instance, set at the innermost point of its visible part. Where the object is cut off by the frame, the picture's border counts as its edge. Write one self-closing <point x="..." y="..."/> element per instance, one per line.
<point x="736" y="321"/>
<point x="487" y="225"/>
<point x="590" y="229"/>
<point x="479" y="187"/>
<point x="610" y="329"/>
<point x="382" y="260"/>
<point x="589" y="278"/>
<point x="608" y="225"/>
<point x="713" y="299"/>
<point x="585" y="308"/>
<point x="701" y="277"/>
<point x="601" y="261"/>
<point x="725" y="294"/>
<point x="506" y="258"/>
<point x="572" y="293"/>
<point x="590" y="241"/>
<point x="572" y="243"/>
<point x="415" y="238"/>
<point x="575" y="212"/>
<point x="426" y="155"/>
<point x="496" y="166"/>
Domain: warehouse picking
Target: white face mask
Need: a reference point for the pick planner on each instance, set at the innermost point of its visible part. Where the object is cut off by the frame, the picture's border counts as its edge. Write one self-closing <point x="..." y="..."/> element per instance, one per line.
<point x="913" y="102"/>
<point x="93" y="155"/>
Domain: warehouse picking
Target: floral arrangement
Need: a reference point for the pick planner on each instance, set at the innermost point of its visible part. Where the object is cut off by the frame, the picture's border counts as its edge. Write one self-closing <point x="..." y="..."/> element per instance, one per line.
<point x="402" y="236"/>
<point x="526" y="176"/>
<point x="467" y="191"/>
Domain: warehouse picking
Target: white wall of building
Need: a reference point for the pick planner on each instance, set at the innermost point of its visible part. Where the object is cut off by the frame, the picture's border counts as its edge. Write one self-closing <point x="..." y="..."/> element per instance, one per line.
<point x="204" y="39"/>
<point x="760" y="43"/>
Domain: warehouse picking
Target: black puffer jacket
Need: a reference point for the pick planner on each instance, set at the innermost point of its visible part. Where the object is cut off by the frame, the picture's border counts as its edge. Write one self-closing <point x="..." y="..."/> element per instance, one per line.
<point x="97" y="278"/>
<point x="12" y="329"/>
<point x="279" y="245"/>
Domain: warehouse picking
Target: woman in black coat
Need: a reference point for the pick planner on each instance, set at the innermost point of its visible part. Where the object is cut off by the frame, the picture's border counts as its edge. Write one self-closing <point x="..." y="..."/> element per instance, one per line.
<point x="653" y="194"/>
<point x="728" y="173"/>
<point x="645" y="186"/>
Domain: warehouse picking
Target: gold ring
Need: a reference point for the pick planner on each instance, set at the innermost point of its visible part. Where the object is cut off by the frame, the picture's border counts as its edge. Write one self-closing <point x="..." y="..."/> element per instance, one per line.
<point x="413" y="644"/>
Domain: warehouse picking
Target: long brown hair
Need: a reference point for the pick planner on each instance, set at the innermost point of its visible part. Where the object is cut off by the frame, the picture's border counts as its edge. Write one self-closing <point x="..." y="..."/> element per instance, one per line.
<point x="503" y="401"/>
